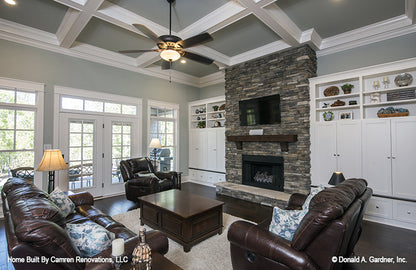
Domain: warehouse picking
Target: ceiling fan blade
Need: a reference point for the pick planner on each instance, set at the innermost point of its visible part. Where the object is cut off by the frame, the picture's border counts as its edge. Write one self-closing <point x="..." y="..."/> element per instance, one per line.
<point x="137" y="51"/>
<point x="195" y="40"/>
<point x="149" y="33"/>
<point x="198" y="58"/>
<point x="166" y="65"/>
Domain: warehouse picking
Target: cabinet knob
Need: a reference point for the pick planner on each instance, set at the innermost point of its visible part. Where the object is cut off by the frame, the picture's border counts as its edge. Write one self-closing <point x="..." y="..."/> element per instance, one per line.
<point x="408" y="212"/>
<point x="377" y="207"/>
<point x="388" y="157"/>
<point x="393" y="157"/>
<point x="335" y="155"/>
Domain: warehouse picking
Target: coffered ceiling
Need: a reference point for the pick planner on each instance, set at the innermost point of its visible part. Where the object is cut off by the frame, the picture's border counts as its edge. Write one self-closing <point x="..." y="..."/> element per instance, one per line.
<point x="242" y="30"/>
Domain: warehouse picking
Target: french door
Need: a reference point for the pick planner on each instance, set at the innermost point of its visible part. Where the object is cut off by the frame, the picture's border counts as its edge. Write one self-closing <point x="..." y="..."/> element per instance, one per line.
<point x="93" y="147"/>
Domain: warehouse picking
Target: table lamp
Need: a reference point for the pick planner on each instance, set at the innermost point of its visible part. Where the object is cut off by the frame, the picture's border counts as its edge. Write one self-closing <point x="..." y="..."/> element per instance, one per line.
<point x="155" y="144"/>
<point x="336" y="178"/>
<point x="52" y="161"/>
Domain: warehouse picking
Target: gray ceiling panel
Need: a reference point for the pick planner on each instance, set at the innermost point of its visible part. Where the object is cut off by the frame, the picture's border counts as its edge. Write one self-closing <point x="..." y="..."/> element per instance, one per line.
<point x="184" y="12"/>
<point x="333" y="17"/>
<point x="45" y="15"/>
<point x="244" y="35"/>
<point x="110" y="37"/>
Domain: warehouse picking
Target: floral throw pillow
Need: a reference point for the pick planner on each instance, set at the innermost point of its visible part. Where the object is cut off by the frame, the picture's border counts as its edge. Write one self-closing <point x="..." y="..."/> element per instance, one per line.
<point x="314" y="191"/>
<point x="285" y="222"/>
<point x="65" y="204"/>
<point x="90" y="238"/>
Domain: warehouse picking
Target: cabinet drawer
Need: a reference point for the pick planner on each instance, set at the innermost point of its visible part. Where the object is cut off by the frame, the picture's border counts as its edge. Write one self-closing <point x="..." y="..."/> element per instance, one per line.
<point x="404" y="211"/>
<point x="221" y="177"/>
<point x="380" y="207"/>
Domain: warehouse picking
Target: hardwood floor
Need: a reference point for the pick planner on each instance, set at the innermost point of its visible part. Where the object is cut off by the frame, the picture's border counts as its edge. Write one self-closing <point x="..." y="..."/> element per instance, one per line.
<point x="377" y="240"/>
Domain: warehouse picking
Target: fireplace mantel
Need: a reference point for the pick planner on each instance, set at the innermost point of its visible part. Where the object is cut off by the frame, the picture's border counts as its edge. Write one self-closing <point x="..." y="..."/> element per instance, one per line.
<point x="284" y="140"/>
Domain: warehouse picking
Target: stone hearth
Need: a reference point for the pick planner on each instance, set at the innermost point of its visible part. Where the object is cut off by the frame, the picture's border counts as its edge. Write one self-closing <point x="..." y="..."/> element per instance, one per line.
<point x="285" y="73"/>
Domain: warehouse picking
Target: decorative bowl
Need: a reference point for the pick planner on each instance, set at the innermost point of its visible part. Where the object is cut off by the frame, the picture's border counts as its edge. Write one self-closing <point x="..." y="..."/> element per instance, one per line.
<point x="403" y="79"/>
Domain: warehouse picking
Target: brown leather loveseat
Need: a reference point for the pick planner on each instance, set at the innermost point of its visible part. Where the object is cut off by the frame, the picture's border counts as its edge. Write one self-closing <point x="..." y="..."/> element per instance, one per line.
<point x="137" y="186"/>
<point x="331" y="227"/>
<point x="35" y="227"/>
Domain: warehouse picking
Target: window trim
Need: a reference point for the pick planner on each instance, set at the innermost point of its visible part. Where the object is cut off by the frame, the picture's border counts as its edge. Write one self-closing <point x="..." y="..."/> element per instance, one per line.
<point x="39" y="89"/>
<point x="167" y="105"/>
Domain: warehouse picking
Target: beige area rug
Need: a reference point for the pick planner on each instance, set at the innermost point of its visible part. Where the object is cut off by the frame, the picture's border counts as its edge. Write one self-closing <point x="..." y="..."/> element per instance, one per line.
<point x="211" y="254"/>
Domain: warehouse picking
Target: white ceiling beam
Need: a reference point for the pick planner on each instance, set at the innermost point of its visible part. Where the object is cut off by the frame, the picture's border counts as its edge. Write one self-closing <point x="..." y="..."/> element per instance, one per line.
<point x="312" y="38"/>
<point x="410" y="10"/>
<point x="259" y="52"/>
<point x="272" y="16"/>
<point x="75" y="21"/>
<point x="75" y="4"/>
<point x="215" y="20"/>
<point x="147" y="58"/>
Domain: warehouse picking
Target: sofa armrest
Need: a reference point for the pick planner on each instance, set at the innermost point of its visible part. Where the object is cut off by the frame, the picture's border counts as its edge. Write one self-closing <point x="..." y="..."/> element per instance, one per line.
<point x="173" y="176"/>
<point x="143" y="181"/>
<point x="82" y="198"/>
<point x="267" y="244"/>
<point x="296" y="201"/>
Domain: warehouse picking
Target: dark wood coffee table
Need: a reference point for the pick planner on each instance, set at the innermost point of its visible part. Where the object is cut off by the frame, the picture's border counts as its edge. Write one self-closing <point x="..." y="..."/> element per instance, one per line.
<point x="186" y="218"/>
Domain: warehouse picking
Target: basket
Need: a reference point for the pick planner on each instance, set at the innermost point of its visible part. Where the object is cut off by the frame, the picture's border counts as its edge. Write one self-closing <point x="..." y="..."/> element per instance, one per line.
<point x="392" y="114"/>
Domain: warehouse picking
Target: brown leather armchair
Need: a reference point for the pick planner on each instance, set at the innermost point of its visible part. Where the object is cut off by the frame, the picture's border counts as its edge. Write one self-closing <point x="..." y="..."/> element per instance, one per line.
<point x="137" y="186"/>
<point x="331" y="227"/>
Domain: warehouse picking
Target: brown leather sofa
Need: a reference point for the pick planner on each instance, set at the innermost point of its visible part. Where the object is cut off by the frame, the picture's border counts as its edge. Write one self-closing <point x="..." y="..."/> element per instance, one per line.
<point x="137" y="186"/>
<point x="34" y="227"/>
<point x="331" y="227"/>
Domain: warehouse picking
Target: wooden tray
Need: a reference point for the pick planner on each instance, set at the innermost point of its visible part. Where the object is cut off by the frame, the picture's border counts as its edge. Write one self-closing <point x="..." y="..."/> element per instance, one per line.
<point x="385" y="115"/>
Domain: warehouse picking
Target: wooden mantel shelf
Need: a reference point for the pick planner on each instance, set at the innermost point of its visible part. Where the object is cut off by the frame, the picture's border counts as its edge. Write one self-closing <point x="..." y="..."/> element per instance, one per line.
<point x="284" y="140"/>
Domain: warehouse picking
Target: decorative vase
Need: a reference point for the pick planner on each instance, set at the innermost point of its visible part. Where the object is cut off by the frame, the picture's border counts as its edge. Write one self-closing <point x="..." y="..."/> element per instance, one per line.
<point x="347" y="91"/>
<point x="142" y="255"/>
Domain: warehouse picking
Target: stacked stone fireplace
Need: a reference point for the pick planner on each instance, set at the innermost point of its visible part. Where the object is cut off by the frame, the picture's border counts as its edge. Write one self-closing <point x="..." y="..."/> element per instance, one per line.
<point x="285" y="73"/>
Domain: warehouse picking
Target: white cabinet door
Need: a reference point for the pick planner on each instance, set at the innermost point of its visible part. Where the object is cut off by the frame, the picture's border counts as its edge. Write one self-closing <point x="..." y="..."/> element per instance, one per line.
<point x="196" y="148"/>
<point x="349" y="148"/>
<point x="211" y="163"/>
<point x="221" y="149"/>
<point x="325" y="157"/>
<point x="377" y="155"/>
<point x="403" y="135"/>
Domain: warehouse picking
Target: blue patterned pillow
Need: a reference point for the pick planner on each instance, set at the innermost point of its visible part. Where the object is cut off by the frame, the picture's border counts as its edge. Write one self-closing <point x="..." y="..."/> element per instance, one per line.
<point x="90" y="238"/>
<point x="285" y="222"/>
<point x="314" y="191"/>
<point x="65" y="204"/>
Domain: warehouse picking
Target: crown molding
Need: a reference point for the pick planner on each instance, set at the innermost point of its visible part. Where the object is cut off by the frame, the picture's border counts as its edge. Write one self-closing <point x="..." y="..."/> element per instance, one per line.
<point x="383" y="30"/>
<point x="312" y="38"/>
<point x="15" y="30"/>
<point x="214" y="78"/>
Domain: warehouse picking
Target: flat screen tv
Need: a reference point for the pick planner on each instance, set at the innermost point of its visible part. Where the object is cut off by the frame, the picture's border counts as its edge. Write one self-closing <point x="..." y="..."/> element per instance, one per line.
<point x="260" y="111"/>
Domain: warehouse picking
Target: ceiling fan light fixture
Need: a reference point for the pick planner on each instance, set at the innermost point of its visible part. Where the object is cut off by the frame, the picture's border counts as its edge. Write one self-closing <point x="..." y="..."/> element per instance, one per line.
<point x="10" y="2"/>
<point x="170" y="55"/>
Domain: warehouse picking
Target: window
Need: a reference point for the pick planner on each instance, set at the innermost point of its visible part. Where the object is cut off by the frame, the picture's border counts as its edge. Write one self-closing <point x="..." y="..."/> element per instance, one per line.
<point x="163" y="121"/>
<point x="21" y="115"/>
<point x="90" y="105"/>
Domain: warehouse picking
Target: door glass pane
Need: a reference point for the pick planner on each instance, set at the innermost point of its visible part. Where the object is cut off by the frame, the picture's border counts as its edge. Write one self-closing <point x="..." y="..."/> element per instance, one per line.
<point x="93" y="106"/>
<point x="121" y="149"/>
<point x="81" y="154"/>
<point x="25" y="120"/>
<point x="7" y="96"/>
<point x="72" y="103"/>
<point x="26" y="98"/>
<point x="112" y="107"/>
<point x="6" y="119"/>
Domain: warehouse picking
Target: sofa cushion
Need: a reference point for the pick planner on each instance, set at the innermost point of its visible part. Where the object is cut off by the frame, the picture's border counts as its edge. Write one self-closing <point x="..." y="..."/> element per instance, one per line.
<point x="147" y="174"/>
<point x="35" y="209"/>
<point x="314" y="191"/>
<point x="89" y="237"/>
<point x="62" y="201"/>
<point x="285" y="222"/>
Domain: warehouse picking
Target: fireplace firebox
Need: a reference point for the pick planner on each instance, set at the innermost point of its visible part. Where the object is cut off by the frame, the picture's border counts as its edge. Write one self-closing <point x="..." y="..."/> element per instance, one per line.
<point x="263" y="171"/>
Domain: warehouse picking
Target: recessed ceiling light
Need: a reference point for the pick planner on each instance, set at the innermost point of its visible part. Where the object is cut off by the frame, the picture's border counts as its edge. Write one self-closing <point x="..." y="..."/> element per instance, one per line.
<point x="10" y="2"/>
<point x="183" y="61"/>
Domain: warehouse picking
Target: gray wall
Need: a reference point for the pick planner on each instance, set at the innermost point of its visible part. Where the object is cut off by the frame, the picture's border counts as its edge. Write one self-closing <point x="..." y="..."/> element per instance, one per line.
<point x="28" y="63"/>
<point x="377" y="53"/>
<point x="212" y="91"/>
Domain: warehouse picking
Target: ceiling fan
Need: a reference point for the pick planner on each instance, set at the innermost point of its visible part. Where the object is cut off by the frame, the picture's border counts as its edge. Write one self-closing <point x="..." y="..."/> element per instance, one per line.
<point x="171" y="47"/>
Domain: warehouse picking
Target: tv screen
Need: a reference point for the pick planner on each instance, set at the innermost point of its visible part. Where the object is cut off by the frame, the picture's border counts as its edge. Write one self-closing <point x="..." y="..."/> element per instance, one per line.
<point x="260" y="111"/>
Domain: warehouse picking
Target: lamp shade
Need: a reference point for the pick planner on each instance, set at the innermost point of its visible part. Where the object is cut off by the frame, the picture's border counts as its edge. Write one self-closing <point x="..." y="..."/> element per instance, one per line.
<point x="155" y="143"/>
<point x="170" y="55"/>
<point x="52" y="161"/>
<point x="336" y="178"/>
